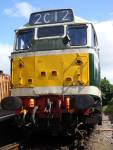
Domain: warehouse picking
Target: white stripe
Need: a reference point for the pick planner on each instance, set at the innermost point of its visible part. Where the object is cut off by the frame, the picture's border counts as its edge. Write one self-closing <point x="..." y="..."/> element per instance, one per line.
<point x="54" y="52"/>
<point x="66" y="90"/>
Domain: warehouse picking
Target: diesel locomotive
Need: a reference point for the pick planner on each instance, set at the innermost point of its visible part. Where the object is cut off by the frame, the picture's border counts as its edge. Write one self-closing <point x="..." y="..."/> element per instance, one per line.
<point x="55" y="72"/>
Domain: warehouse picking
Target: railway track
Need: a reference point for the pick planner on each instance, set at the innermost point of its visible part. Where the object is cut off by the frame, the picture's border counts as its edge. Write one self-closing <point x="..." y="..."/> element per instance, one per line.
<point x="13" y="146"/>
<point x="100" y="138"/>
<point x="94" y="142"/>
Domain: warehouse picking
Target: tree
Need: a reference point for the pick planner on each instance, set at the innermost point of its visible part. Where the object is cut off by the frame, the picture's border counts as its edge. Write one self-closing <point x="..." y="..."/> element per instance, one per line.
<point x="107" y="90"/>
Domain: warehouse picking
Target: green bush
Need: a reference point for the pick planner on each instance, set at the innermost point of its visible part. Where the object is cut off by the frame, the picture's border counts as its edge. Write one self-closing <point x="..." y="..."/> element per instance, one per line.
<point x="109" y="107"/>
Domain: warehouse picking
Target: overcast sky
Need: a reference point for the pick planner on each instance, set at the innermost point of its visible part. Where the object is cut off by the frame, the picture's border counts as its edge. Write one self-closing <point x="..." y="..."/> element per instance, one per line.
<point x="15" y="13"/>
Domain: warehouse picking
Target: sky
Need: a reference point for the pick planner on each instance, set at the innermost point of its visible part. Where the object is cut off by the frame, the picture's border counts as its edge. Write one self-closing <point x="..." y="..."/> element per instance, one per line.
<point x="15" y="13"/>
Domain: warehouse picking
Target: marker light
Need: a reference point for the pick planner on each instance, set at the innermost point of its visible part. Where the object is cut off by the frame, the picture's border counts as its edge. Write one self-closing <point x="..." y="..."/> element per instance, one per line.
<point x="68" y="103"/>
<point x="68" y="79"/>
<point x="54" y="73"/>
<point x="31" y="102"/>
<point x="43" y="74"/>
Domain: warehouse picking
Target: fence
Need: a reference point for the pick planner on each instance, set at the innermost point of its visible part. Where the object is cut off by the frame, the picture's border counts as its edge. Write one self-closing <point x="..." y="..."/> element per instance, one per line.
<point x="4" y="85"/>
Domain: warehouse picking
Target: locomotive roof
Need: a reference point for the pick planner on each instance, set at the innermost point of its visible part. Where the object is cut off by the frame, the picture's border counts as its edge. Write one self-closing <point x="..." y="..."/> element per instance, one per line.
<point x="80" y="20"/>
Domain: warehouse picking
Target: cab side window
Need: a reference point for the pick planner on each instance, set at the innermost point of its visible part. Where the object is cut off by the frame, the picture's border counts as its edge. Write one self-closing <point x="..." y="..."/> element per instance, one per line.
<point x="94" y="42"/>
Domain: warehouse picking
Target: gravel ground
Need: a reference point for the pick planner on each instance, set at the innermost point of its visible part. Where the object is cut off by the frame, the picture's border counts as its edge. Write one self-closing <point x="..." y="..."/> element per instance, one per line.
<point x="102" y="137"/>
